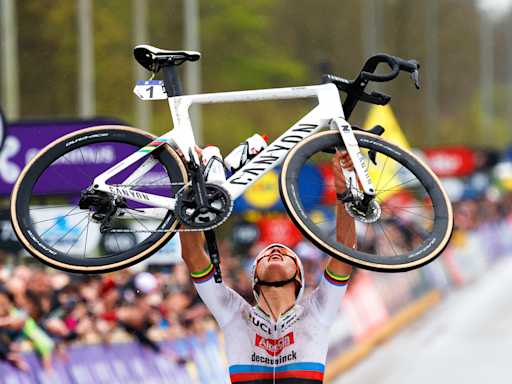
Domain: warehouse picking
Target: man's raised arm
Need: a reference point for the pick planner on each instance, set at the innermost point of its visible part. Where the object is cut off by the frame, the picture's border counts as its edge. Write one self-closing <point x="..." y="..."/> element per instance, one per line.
<point x="192" y="251"/>
<point x="345" y="224"/>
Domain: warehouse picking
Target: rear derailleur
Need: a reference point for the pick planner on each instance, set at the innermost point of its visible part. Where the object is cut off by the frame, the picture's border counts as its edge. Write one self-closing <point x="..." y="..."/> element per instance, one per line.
<point x="102" y="206"/>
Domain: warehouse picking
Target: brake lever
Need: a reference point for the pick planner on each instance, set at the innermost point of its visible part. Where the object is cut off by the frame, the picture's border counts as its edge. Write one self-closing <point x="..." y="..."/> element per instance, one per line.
<point x="414" y="77"/>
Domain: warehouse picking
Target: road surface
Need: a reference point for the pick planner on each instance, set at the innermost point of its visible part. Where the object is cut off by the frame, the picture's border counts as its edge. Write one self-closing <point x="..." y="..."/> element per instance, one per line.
<point x="466" y="338"/>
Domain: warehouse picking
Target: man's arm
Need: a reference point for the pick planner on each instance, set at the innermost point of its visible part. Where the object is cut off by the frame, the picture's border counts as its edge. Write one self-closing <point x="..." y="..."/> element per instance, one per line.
<point x="193" y="253"/>
<point x="345" y="224"/>
<point x="222" y="301"/>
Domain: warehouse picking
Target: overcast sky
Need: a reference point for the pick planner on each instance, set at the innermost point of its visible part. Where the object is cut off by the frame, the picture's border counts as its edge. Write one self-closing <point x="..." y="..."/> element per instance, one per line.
<point x="495" y="8"/>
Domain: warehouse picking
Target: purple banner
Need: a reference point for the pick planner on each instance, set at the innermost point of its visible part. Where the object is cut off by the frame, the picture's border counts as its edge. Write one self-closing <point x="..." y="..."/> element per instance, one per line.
<point x="25" y="140"/>
<point x="73" y="172"/>
<point x="129" y="363"/>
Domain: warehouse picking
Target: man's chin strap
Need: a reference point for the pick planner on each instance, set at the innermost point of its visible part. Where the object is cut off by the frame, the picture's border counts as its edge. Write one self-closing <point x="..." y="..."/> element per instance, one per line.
<point x="277" y="283"/>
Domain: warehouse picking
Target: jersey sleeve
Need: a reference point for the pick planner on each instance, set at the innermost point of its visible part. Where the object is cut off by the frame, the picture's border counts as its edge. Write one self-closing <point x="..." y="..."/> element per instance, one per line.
<point x="222" y="301"/>
<point x="326" y="299"/>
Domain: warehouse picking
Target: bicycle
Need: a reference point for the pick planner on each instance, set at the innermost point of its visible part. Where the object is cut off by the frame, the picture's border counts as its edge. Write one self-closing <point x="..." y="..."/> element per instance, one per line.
<point x="139" y="189"/>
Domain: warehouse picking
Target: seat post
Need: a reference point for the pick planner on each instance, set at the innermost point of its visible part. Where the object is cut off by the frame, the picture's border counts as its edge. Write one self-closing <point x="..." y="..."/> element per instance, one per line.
<point x="172" y="80"/>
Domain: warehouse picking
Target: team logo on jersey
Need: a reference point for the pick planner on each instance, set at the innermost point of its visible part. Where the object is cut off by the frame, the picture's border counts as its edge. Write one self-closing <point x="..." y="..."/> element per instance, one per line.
<point x="260" y="323"/>
<point x="274" y="347"/>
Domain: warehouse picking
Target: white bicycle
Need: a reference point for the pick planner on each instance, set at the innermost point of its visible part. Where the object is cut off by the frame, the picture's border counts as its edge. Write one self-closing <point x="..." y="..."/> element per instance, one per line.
<point x="136" y="189"/>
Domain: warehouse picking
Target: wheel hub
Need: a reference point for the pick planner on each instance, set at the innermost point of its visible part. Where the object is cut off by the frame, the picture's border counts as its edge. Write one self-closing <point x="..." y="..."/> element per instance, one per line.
<point x="356" y="210"/>
<point x="103" y="209"/>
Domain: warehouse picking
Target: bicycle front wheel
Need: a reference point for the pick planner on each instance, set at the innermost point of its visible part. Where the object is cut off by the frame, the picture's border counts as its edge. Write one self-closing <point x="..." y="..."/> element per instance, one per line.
<point x="415" y="222"/>
<point x="57" y="229"/>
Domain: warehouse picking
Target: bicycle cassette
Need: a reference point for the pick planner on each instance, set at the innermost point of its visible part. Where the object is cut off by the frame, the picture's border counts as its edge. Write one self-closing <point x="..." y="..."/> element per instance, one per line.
<point x="209" y="214"/>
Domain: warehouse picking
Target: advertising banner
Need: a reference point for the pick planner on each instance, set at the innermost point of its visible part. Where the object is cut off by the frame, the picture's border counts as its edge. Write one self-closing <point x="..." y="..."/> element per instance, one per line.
<point x="129" y="363"/>
<point x="25" y="140"/>
<point x="451" y="161"/>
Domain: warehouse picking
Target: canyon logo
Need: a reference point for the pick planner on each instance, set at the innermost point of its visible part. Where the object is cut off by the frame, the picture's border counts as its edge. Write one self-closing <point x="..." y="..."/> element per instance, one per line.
<point x="274" y="347"/>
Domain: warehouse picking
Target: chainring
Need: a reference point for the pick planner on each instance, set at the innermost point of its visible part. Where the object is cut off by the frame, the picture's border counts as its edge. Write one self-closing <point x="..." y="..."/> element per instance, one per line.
<point x="211" y="215"/>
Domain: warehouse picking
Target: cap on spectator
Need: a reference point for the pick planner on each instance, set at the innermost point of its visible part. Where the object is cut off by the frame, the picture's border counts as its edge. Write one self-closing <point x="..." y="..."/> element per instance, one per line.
<point x="145" y="282"/>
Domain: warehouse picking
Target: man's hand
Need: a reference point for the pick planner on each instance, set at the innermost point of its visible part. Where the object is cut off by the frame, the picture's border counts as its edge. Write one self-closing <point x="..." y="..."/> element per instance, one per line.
<point x="339" y="160"/>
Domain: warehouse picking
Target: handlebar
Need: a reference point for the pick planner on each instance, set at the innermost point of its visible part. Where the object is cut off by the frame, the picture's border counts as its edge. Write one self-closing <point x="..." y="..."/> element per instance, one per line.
<point x="355" y="88"/>
<point x="395" y="63"/>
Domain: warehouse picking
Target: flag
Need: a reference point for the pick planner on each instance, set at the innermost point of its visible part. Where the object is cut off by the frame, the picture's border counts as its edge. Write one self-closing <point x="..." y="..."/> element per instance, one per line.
<point x="383" y="115"/>
<point x="384" y="171"/>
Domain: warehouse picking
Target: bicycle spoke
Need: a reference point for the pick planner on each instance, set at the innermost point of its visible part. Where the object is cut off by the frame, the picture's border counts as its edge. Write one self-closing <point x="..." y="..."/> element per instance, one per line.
<point x="53" y="218"/>
<point x="65" y="158"/>
<point x="95" y="160"/>
<point x="53" y="245"/>
<point x="366" y="234"/>
<point x="323" y="206"/>
<point x="407" y="227"/>
<point x="314" y="177"/>
<point x="402" y="209"/>
<point x="51" y="207"/>
<point x="86" y="235"/>
<point x="50" y="167"/>
<point x="396" y="186"/>
<point x="381" y="173"/>
<point x="396" y="173"/>
<point x="85" y="163"/>
<point x="115" y="237"/>
<point x="72" y="245"/>
<point x="51" y="185"/>
<point x="387" y="238"/>
<point x="138" y="221"/>
<point x="349" y="230"/>
<point x="388" y="231"/>
<point x="63" y="217"/>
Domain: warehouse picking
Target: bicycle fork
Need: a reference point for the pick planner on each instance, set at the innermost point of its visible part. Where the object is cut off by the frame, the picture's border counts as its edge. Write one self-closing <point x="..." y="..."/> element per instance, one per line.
<point x="365" y="199"/>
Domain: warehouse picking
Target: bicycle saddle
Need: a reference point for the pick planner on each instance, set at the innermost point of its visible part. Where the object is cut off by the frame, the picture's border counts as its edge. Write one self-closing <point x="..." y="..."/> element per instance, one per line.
<point x="153" y="58"/>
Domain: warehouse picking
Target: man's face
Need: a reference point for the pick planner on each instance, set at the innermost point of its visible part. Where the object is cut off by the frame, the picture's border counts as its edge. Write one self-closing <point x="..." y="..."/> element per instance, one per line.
<point x="276" y="264"/>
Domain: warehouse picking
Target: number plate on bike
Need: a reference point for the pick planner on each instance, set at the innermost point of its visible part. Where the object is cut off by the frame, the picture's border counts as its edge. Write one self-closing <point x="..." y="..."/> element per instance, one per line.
<point x="150" y="90"/>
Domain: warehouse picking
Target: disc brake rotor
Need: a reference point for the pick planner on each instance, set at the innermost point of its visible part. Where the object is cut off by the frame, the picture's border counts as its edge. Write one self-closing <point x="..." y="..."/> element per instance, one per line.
<point x="372" y="215"/>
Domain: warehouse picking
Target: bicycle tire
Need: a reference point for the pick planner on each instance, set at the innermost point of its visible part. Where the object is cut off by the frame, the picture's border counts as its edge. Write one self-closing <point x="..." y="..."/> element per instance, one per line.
<point x="106" y="145"/>
<point x="423" y="246"/>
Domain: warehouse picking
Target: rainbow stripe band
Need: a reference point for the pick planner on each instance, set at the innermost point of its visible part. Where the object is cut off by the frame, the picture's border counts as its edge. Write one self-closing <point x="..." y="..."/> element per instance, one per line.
<point x="204" y="276"/>
<point x="262" y="311"/>
<point x="287" y="311"/>
<point x="308" y="372"/>
<point x="151" y="146"/>
<point x="335" y="279"/>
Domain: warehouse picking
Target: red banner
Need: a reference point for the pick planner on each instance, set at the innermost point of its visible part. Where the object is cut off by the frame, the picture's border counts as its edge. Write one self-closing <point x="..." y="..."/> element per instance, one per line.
<point x="451" y="161"/>
<point x="279" y="230"/>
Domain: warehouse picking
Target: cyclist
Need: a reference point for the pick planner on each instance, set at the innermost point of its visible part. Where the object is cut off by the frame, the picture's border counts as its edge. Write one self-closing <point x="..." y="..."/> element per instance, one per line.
<point x="278" y="340"/>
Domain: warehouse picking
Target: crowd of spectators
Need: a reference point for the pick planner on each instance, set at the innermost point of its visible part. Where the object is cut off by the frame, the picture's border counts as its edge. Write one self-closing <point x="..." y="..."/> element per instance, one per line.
<point x="47" y="310"/>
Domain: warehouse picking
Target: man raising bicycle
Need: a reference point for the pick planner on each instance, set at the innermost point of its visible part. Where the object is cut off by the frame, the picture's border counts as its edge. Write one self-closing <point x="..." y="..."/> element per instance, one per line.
<point x="278" y="340"/>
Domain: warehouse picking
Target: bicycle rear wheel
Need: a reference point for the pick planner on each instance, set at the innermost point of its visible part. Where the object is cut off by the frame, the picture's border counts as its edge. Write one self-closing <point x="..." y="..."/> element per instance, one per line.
<point x="416" y="219"/>
<point x="52" y="226"/>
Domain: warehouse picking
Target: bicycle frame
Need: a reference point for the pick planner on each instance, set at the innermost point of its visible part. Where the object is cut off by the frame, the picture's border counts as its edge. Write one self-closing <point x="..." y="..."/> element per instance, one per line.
<point x="328" y="112"/>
